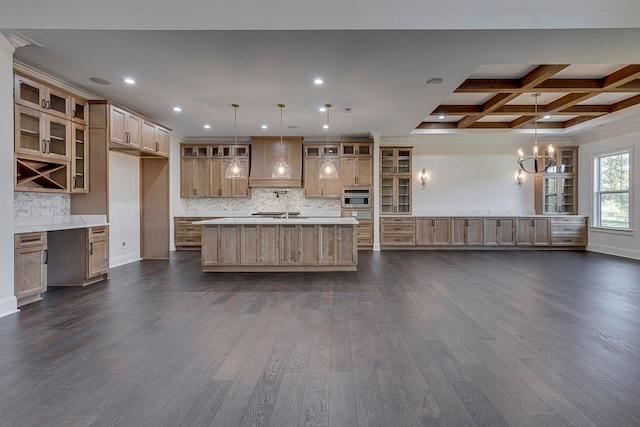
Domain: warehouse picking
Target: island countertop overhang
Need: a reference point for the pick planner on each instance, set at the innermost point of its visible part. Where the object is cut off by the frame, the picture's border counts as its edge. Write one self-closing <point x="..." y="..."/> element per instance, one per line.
<point x="258" y="221"/>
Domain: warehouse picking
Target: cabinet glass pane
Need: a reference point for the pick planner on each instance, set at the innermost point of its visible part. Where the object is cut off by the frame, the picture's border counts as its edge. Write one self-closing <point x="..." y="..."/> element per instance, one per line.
<point x="364" y="150"/>
<point x="550" y="195"/>
<point x="57" y="138"/>
<point x="331" y="151"/>
<point x="386" y="195"/>
<point x="241" y="151"/>
<point x="202" y="151"/>
<point x="404" y="193"/>
<point x="566" y="186"/>
<point x="78" y="111"/>
<point x="226" y="151"/>
<point x="58" y="103"/>
<point x="188" y="152"/>
<point x="387" y="162"/>
<point x="313" y="151"/>
<point x="404" y="161"/>
<point x="215" y="151"/>
<point x="79" y="141"/>
<point x="566" y="161"/>
<point x="30" y="132"/>
<point x="30" y="93"/>
<point x="348" y="149"/>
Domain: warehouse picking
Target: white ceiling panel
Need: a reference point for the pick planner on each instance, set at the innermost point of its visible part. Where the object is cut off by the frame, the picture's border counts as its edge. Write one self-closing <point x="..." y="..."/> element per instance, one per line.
<point x="607" y="98"/>
<point x="587" y="71"/>
<point x="543" y="99"/>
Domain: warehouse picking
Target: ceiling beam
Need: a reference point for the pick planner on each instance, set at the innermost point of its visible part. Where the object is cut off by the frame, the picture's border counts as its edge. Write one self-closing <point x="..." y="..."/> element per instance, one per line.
<point x="622" y="76"/>
<point x="625" y="103"/>
<point x="558" y="85"/>
<point x="528" y="110"/>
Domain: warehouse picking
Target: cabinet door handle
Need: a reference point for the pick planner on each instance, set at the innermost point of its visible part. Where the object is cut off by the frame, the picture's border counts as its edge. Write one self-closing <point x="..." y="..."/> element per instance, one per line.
<point x="43" y="146"/>
<point x="356" y="179"/>
<point x="44" y="103"/>
<point x="74" y="113"/>
<point x="46" y="256"/>
<point x="499" y="223"/>
<point x="157" y="146"/>
<point x="220" y="192"/>
<point x="433" y="222"/>
<point x="533" y="222"/>
<point x="91" y="248"/>
<point x="48" y="146"/>
<point x="74" y="182"/>
<point x="466" y="222"/>
<point x="48" y="105"/>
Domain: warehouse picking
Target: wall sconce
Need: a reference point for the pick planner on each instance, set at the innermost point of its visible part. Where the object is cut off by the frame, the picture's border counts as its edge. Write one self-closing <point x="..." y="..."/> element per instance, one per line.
<point x="423" y="177"/>
<point x="520" y="177"/>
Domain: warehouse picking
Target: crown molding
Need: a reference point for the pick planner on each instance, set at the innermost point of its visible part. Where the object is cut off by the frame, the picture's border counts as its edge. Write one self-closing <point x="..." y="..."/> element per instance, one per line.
<point x="46" y="78"/>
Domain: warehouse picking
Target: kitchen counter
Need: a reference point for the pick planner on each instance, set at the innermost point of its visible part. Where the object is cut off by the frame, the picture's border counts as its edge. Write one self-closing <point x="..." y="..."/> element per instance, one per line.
<point x="477" y="213"/>
<point x="290" y="220"/>
<point x="279" y="244"/>
<point x="57" y="222"/>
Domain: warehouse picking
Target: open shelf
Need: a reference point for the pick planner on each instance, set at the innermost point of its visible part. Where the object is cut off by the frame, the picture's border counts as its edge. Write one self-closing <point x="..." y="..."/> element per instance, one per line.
<point x="38" y="175"/>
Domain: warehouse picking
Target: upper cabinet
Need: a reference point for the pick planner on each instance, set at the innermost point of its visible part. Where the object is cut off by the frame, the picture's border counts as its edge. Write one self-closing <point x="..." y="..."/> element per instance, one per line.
<point x="203" y="167"/>
<point x="356" y="163"/>
<point x="155" y="139"/>
<point x="556" y="190"/>
<point x="314" y="156"/>
<point x="134" y="134"/>
<point x="125" y="128"/>
<point x="41" y="97"/>
<point x="41" y="135"/>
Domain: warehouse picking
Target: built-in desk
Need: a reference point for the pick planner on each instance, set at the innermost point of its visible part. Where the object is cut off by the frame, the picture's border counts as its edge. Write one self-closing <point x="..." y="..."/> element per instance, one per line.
<point x="59" y="251"/>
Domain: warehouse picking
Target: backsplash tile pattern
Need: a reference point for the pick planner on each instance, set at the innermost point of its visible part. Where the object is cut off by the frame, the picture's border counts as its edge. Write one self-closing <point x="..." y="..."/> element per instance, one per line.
<point x="264" y="200"/>
<point x="26" y="203"/>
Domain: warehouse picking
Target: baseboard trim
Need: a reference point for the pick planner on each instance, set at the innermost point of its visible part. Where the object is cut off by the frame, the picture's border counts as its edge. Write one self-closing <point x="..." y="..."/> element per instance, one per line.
<point x="8" y="306"/>
<point x="124" y="259"/>
<point x="616" y="251"/>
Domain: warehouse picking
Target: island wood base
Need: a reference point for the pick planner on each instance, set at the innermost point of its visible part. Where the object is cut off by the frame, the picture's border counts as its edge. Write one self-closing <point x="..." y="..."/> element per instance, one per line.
<point x="254" y="247"/>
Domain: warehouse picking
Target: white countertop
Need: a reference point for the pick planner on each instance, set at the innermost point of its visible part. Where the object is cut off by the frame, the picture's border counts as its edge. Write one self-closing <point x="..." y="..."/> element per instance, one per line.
<point x="34" y="224"/>
<point x="254" y="220"/>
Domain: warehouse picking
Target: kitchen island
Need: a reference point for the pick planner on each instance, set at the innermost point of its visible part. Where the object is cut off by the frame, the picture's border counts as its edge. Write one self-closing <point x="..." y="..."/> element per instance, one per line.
<point x="279" y="244"/>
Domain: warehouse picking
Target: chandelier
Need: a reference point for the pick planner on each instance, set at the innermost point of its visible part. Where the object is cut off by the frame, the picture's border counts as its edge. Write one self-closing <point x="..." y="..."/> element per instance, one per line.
<point x="235" y="170"/>
<point x="536" y="163"/>
<point x="328" y="169"/>
<point x="281" y="169"/>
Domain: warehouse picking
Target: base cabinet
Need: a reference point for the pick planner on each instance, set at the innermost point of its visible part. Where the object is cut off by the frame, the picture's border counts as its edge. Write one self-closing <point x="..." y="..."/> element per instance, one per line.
<point x="433" y="231"/>
<point x="279" y="247"/>
<point x="533" y="232"/>
<point x="30" y="258"/>
<point x="466" y="231"/>
<point x="499" y="231"/>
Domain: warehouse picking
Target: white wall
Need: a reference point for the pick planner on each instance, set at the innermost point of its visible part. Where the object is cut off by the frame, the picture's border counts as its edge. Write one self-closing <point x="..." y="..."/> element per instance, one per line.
<point x="468" y="171"/>
<point x="8" y="303"/>
<point x="621" y="244"/>
<point x="124" y="209"/>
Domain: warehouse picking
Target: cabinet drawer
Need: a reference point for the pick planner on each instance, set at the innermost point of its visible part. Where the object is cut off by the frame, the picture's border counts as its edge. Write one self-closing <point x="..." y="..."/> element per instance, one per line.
<point x="568" y="240"/>
<point x="567" y="230"/>
<point x="398" y="240"/>
<point x="98" y="232"/>
<point x="28" y="240"/>
<point x="398" y="226"/>
<point x="570" y="220"/>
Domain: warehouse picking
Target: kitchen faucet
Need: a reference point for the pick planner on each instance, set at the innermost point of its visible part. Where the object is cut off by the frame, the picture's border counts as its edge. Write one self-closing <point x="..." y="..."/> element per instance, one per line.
<point x="279" y="193"/>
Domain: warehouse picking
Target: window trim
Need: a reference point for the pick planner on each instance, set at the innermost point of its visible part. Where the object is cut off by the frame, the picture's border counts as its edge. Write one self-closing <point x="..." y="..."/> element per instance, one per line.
<point x="595" y="226"/>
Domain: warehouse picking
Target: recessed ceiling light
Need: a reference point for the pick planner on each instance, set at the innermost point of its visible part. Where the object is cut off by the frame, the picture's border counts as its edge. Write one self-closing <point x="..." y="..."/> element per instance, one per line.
<point x="207" y="126"/>
<point x="264" y="126"/>
<point x="322" y="109"/>
<point x="441" y="117"/>
<point x="129" y="81"/>
<point x="177" y="109"/>
<point x="435" y="81"/>
<point x="546" y="117"/>
<point x="325" y="127"/>
<point x="318" y="81"/>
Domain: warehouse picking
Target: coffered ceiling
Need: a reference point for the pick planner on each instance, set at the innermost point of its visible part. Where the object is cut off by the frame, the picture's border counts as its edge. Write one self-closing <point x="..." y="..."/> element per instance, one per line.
<point x="505" y="98"/>
<point x="375" y="60"/>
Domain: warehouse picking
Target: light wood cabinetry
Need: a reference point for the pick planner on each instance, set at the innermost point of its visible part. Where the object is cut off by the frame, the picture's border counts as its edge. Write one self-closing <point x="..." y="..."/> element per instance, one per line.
<point x="79" y="110"/>
<point x="533" y="232"/>
<point x="397" y="231"/>
<point x="314" y="156"/>
<point x="466" y="231"/>
<point x="395" y="180"/>
<point x="187" y="235"/>
<point x="125" y="128"/>
<point x="433" y="231"/>
<point x="79" y="159"/>
<point x="194" y="171"/>
<point x="78" y="257"/>
<point x="556" y="190"/>
<point x="40" y="134"/>
<point x="34" y="174"/>
<point x="279" y="247"/>
<point x="155" y="139"/>
<point x="569" y="231"/>
<point x="39" y="96"/>
<point x="30" y="266"/>
<point x="356" y="163"/>
<point x="499" y="231"/>
<point x="365" y="226"/>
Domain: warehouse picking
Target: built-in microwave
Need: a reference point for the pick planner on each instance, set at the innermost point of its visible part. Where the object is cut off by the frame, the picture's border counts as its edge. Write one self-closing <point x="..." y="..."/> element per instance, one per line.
<point x="356" y="197"/>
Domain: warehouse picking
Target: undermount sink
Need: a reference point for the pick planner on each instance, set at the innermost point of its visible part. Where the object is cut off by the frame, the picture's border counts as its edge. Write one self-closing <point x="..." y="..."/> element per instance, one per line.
<point x="279" y="215"/>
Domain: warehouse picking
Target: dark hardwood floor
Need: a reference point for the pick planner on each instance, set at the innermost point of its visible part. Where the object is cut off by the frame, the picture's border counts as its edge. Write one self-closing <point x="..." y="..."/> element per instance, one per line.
<point x="412" y="339"/>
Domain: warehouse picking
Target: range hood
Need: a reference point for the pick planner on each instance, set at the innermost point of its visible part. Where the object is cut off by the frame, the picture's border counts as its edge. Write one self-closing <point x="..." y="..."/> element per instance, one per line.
<point x="265" y="152"/>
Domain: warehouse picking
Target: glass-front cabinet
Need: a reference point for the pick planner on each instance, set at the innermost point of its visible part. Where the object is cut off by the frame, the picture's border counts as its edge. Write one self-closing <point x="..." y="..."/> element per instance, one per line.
<point x="556" y="189"/>
<point x="395" y="180"/>
<point x="41" y="135"/>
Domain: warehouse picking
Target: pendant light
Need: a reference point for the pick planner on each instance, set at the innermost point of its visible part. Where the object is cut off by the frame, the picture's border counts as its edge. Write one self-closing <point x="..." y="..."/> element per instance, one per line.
<point x="328" y="169"/>
<point x="536" y="163"/>
<point x="281" y="169"/>
<point x="235" y="170"/>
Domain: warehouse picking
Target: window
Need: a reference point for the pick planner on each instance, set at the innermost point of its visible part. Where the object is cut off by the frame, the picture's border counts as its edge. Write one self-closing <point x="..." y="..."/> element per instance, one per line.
<point x="612" y="202"/>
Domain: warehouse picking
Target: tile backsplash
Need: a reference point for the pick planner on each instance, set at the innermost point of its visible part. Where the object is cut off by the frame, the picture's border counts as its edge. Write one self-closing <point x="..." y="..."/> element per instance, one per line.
<point x="26" y="203"/>
<point x="264" y="200"/>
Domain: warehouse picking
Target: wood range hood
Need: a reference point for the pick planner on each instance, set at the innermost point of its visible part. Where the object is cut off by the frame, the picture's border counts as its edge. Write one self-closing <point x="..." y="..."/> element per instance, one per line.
<point x="265" y="152"/>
